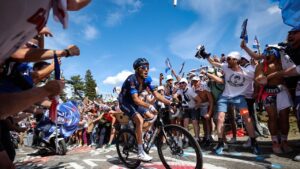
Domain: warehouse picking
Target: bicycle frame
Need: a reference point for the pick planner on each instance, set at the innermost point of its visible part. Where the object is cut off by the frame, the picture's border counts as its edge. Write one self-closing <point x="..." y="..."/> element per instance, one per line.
<point x="159" y="127"/>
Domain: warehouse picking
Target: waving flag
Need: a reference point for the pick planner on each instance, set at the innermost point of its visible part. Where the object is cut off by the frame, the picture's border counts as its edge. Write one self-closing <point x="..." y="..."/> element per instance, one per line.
<point x="54" y="102"/>
<point x="182" y="65"/>
<point x="60" y="12"/>
<point x="290" y="10"/>
<point x="174" y="2"/>
<point x="168" y="64"/>
<point x="256" y="43"/>
<point x="196" y="70"/>
<point x="244" y="34"/>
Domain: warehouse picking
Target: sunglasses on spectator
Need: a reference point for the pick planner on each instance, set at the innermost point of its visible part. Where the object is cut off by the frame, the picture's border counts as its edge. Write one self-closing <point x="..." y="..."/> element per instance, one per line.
<point x="268" y="52"/>
<point x="229" y="58"/>
<point x="144" y="67"/>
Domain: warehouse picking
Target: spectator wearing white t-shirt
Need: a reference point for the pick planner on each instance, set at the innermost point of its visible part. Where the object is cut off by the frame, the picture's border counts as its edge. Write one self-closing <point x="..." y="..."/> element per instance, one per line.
<point x="189" y="101"/>
<point x="249" y="96"/>
<point x="236" y="80"/>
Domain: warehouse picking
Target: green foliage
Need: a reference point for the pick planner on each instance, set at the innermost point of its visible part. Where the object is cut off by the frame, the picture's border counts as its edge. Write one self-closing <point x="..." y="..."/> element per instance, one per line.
<point x="78" y="86"/>
<point x="90" y="86"/>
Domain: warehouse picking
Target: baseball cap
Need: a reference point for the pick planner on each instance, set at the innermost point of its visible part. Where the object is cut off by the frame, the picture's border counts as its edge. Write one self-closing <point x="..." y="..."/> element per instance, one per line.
<point x="246" y="57"/>
<point x="196" y="78"/>
<point x="190" y="74"/>
<point x="160" y="88"/>
<point x="183" y="80"/>
<point x="169" y="77"/>
<point x="234" y="55"/>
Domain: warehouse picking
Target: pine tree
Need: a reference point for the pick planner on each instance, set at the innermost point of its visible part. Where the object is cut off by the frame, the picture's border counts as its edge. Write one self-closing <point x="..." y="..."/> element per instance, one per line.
<point x="78" y="86"/>
<point x="90" y="86"/>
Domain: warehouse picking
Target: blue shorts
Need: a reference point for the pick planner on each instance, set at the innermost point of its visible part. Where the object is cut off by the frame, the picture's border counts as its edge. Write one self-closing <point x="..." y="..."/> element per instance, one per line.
<point x="238" y="101"/>
<point x="131" y="110"/>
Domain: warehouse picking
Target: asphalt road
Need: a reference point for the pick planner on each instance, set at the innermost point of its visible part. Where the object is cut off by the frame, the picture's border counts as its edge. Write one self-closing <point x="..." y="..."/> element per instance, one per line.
<point x="235" y="157"/>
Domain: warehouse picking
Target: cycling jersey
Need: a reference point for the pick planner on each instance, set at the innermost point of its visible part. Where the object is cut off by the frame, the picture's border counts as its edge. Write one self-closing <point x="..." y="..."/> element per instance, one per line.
<point x="131" y="86"/>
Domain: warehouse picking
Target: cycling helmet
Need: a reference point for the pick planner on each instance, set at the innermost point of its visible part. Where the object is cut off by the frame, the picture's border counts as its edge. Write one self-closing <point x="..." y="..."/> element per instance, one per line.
<point x="139" y="62"/>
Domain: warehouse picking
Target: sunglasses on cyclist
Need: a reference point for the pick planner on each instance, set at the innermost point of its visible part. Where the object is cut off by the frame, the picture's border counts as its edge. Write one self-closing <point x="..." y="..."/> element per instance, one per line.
<point x="144" y="67"/>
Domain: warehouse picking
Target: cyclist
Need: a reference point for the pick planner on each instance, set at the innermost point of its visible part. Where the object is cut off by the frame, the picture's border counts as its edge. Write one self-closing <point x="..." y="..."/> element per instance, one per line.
<point x="134" y="107"/>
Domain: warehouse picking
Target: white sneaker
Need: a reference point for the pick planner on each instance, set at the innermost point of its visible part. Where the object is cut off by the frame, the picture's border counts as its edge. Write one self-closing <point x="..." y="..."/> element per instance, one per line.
<point x="297" y="158"/>
<point x="144" y="157"/>
<point x="247" y="144"/>
<point x="214" y="137"/>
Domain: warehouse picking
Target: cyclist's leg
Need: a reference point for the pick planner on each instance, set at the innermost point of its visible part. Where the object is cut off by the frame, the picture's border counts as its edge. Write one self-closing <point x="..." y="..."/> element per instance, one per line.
<point x="136" y="114"/>
<point x="139" y="121"/>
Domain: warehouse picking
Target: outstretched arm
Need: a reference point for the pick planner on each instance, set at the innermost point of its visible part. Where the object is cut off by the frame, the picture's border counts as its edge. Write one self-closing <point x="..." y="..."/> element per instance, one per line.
<point x="34" y="54"/>
<point x="161" y="98"/>
<point x="214" y="63"/>
<point x="249" y="51"/>
<point x="22" y="100"/>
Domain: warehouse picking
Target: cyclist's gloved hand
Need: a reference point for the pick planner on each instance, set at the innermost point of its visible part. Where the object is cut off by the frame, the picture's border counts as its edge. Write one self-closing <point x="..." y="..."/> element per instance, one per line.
<point x="152" y="109"/>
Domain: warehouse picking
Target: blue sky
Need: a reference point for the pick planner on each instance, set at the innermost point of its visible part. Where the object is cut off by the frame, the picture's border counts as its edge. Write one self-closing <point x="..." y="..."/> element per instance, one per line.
<point x="111" y="34"/>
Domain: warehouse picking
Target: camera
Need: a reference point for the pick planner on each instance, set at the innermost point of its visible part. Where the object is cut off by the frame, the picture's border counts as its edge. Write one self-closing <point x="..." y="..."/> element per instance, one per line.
<point x="201" y="53"/>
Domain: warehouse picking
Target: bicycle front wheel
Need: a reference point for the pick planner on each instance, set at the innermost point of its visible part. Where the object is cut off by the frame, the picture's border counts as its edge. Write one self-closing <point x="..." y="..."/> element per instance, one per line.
<point x="127" y="149"/>
<point x="177" y="147"/>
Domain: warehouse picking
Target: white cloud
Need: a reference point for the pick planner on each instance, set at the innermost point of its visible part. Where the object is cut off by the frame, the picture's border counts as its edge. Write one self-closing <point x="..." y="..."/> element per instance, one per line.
<point x="153" y="69"/>
<point x="117" y="79"/>
<point x="273" y="9"/>
<point x="80" y="18"/>
<point x="129" y="5"/>
<point x="123" y="8"/>
<point x="90" y="32"/>
<point x="114" y="18"/>
<point x="60" y="40"/>
<point x="213" y="28"/>
<point x="155" y="80"/>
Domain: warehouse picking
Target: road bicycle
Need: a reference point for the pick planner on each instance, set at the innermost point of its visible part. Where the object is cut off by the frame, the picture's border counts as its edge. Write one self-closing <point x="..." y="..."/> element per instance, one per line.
<point x="175" y="145"/>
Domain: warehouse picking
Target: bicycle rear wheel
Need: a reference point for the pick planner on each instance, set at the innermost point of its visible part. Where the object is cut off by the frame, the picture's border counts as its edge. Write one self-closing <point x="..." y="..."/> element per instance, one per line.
<point x="127" y="148"/>
<point x="177" y="147"/>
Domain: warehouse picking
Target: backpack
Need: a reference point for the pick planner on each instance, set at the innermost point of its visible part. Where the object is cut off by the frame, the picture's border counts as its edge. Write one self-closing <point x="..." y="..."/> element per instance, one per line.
<point x="216" y="88"/>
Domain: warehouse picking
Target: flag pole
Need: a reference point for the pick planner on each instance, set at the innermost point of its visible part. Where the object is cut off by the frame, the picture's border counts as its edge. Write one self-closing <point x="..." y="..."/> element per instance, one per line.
<point x="57" y="77"/>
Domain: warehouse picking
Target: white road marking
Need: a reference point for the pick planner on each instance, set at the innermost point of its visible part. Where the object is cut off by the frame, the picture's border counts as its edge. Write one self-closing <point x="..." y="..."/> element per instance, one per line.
<point x="91" y="163"/>
<point x="75" y="165"/>
<point x="224" y="158"/>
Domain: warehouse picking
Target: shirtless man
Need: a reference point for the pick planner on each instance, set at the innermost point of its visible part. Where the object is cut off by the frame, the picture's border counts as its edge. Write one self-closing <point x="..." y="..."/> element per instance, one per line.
<point x="276" y="99"/>
<point x="274" y="95"/>
<point x="205" y="108"/>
